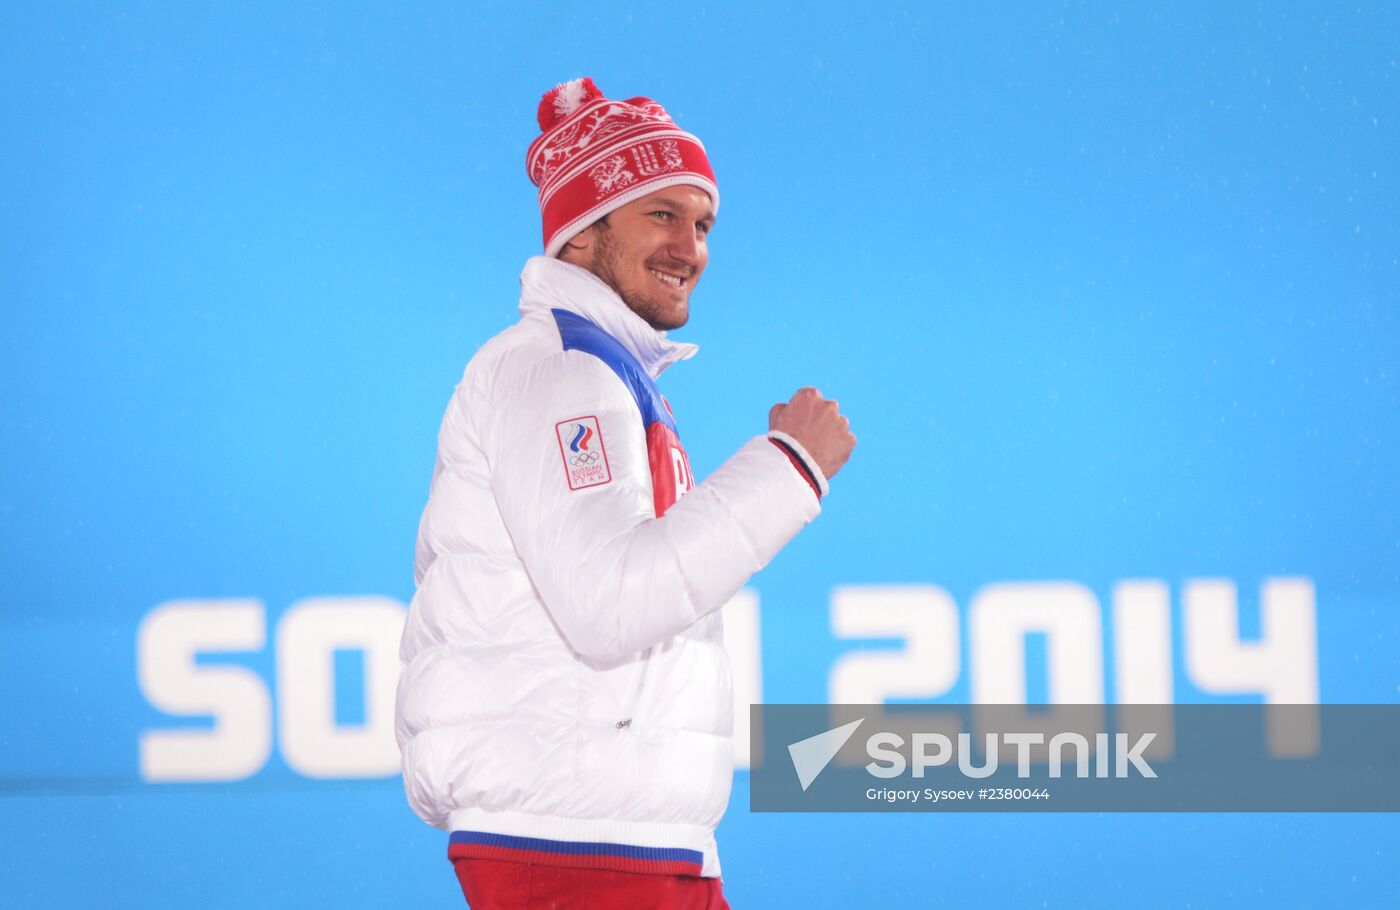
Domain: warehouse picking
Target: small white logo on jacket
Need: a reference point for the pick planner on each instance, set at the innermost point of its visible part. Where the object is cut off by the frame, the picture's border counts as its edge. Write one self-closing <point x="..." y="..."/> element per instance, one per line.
<point x="581" y="447"/>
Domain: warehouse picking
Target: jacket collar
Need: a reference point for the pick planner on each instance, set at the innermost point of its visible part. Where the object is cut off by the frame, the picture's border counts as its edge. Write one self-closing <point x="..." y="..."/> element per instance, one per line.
<point x="548" y="283"/>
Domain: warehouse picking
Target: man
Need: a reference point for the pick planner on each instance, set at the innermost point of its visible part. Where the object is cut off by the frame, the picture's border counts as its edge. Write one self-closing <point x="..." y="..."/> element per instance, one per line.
<point x="565" y="707"/>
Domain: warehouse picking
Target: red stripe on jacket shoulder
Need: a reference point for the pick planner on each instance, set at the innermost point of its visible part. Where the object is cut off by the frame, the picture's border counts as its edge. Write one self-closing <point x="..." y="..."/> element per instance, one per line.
<point x="670" y="467"/>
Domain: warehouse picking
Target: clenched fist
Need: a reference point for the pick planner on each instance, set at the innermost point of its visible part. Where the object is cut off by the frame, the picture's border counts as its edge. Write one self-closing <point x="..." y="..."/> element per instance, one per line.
<point x="817" y="424"/>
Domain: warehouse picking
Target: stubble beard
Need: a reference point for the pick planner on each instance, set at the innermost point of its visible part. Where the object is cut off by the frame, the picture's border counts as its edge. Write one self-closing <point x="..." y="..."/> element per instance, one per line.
<point x="607" y="263"/>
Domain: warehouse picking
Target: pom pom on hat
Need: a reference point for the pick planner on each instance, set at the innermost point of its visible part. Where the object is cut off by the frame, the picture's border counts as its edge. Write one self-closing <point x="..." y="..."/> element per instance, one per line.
<point x="565" y="98"/>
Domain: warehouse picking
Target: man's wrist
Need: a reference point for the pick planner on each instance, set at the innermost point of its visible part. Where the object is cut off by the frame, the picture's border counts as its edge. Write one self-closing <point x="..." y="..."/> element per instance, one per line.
<point x="802" y="461"/>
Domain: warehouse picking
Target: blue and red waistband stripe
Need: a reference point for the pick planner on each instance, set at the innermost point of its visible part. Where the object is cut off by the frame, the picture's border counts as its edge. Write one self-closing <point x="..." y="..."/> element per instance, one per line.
<point x="575" y="854"/>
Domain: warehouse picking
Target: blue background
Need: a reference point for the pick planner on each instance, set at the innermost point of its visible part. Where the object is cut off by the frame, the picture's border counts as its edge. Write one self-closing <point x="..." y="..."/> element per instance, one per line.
<point x="1107" y="292"/>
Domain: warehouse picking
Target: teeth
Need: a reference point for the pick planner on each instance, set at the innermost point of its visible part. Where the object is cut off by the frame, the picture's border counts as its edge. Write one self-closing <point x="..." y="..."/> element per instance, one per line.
<point x="672" y="280"/>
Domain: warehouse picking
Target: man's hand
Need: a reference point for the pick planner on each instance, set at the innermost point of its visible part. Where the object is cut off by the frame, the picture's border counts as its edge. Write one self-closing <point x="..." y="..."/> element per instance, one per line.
<point x="818" y="425"/>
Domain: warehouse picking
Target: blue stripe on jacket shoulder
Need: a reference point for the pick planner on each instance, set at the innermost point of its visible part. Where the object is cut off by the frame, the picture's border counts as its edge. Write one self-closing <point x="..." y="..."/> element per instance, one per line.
<point x="580" y="334"/>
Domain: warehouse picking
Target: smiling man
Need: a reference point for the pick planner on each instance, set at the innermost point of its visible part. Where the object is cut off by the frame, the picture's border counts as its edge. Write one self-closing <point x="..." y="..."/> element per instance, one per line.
<point x="565" y="707"/>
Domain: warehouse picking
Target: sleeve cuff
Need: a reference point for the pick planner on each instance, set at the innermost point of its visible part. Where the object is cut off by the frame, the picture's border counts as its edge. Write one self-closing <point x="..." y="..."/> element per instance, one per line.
<point x="801" y="460"/>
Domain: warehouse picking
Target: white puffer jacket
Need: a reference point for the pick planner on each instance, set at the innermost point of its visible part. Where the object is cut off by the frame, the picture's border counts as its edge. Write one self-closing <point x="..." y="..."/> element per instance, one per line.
<point x="564" y="676"/>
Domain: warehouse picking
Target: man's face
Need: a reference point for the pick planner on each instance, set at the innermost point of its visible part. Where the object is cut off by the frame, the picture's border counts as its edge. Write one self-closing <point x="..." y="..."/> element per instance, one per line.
<point x="652" y="251"/>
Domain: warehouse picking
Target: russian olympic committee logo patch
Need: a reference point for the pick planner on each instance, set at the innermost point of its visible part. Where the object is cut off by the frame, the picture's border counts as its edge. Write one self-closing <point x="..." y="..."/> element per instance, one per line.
<point x="581" y="446"/>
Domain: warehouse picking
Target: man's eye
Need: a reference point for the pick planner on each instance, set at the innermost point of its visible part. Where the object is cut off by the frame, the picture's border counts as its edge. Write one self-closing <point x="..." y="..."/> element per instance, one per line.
<point x="662" y="214"/>
<point x="702" y="228"/>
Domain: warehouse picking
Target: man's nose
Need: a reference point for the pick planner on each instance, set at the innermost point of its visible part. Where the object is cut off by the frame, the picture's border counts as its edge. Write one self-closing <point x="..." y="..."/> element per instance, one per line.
<point x="684" y="245"/>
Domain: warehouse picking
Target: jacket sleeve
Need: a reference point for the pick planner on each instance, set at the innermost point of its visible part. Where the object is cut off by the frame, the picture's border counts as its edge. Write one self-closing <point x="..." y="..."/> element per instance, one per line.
<point x="615" y="578"/>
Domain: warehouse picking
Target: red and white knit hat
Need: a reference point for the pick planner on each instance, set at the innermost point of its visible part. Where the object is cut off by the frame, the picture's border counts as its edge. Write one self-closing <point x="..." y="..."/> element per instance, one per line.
<point x="595" y="155"/>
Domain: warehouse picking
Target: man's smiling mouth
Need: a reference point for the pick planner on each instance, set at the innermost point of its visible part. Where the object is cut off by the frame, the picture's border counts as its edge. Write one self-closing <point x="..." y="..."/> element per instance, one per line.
<point x="674" y="281"/>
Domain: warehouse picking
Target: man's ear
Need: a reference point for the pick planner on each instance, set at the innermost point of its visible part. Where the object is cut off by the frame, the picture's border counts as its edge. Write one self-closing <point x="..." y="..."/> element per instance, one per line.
<point x="576" y="247"/>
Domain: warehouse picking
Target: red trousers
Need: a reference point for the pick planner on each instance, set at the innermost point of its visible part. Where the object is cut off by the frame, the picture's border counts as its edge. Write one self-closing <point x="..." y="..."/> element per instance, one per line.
<point x="491" y="884"/>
